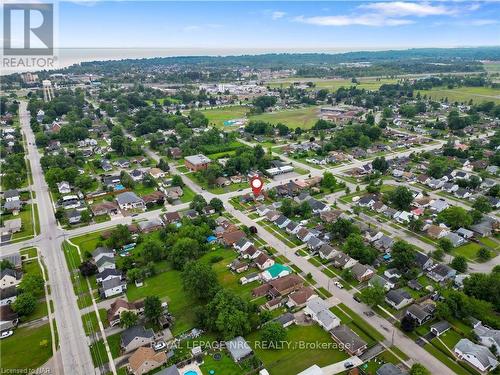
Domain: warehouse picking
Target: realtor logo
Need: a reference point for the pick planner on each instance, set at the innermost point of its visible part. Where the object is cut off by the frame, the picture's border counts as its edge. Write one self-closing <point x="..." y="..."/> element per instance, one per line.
<point x="28" y="29"/>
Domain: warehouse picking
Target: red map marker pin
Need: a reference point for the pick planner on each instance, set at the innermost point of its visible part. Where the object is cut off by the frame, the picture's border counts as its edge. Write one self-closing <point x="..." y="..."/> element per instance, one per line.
<point x="256" y="183"/>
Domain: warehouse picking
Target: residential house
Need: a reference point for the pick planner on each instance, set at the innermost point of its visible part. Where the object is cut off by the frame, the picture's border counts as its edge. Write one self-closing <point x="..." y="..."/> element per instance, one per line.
<point x="465" y="233"/>
<point x="390" y="369"/>
<point x="349" y="340"/>
<point x="398" y="298"/>
<point x="100" y="252"/>
<point x="9" y="278"/>
<point x="251" y="253"/>
<point x="119" y="306"/>
<point x="439" y="205"/>
<point x="330" y="216"/>
<point x="174" y="192"/>
<point x="326" y="251"/>
<point x="108" y="274"/>
<point x="314" y="243"/>
<point x="381" y="281"/>
<point x="263" y="261"/>
<point x="144" y="360"/>
<point x="242" y="244"/>
<point x="74" y="216"/>
<point x="279" y="287"/>
<point x="488" y="337"/>
<point x="318" y="310"/>
<point x="151" y="225"/>
<point x="197" y="162"/>
<point x="342" y="260"/>
<point x="112" y="287"/>
<point x="15" y="260"/>
<point x="317" y="206"/>
<point x="477" y="355"/>
<point x="230" y="238"/>
<point x="367" y="200"/>
<point x="64" y="187"/>
<point x="300" y="297"/>
<point x="238" y="348"/>
<point x="293" y="227"/>
<point x="156" y="197"/>
<point x="362" y="272"/>
<point x="104" y="208"/>
<point x="249" y="278"/>
<point x="11" y="195"/>
<point x="238" y="266"/>
<point x="384" y="243"/>
<point x="423" y="261"/>
<point x="137" y="175"/>
<point x="286" y="319"/>
<point x="440" y="327"/>
<point x="105" y="262"/>
<point x="421" y="313"/>
<point x="455" y="239"/>
<point x="135" y="337"/>
<point x="437" y="232"/>
<point x="441" y="272"/>
<point x="129" y="201"/>
<point x="275" y="271"/>
<point x="304" y="234"/>
<point x="156" y="173"/>
<point x="171" y="217"/>
<point x="282" y="221"/>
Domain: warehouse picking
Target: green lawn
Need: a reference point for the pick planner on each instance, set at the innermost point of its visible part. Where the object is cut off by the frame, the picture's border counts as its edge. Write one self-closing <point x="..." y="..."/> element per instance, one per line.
<point x="349" y="317"/>
<point x="87" y="242"/>
<point x="293" y="358"/>
<point x="464" y="94"/>
<point x="217" y="116"/>
<point x="27" y="229"/>
<point x="468" y="250"/>
<point x="224" y="366"/>
<point x="335" y="84"/>
<point x="295" y="118"/>
<point x="23" y="350"/>
<point x="90" y="323"/>
<point x="30" y="252"/>
<point x="188" y="194"/>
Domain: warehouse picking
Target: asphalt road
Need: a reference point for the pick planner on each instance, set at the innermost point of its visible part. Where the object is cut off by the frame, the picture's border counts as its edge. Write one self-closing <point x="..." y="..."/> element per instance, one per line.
<point x="75" y="355"/>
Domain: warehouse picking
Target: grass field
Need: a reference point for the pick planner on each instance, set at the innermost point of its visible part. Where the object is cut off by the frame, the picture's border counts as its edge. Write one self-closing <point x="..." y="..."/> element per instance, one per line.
<point x="468" y="250"/>
<point x="334" y="84"/>
<point x="225" y="365"/>
<point x="295" y="118"/>
<point x="293" y="358"/>
<point x="464" y="94"/>
<point x="23" y="350"/>
<point x="217" y="116"/>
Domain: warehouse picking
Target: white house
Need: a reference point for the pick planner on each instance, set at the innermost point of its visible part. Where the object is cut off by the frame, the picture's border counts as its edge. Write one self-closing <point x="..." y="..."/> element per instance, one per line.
<point x="477" y="355"/>
<point x="318" y="310"/>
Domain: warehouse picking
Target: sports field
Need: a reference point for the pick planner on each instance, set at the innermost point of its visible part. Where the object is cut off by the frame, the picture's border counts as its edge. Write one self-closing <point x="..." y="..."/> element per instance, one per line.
<point x="334" y="84"/>
<point x="217" y="116"/>
<point x="303" y="118"/>
<point x="464" y="94"/>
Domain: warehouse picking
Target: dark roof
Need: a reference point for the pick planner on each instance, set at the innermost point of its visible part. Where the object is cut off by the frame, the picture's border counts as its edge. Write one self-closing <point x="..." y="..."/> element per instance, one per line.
<point x="397" y="295"/>
<point x="389" y="369"/>
<point x="346" y="336"/>
<point x="172" y="370"/>
<point x="137" y="331"/>
<point x="11" y="193"/>
<point x="109" y="272"/>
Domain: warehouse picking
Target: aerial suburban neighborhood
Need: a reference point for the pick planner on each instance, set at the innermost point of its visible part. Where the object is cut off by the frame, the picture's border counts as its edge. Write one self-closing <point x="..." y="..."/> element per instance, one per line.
<point x="270" y="214"/>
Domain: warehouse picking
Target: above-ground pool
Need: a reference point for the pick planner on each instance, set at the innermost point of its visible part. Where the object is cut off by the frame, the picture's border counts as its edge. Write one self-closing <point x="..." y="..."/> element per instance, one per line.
<point x="190" y="372"/>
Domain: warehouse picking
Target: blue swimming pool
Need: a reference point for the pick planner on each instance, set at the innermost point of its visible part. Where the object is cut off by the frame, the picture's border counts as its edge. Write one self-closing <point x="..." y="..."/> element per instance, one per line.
<point x="119" y="187"/>
<point x="191" y="372"/>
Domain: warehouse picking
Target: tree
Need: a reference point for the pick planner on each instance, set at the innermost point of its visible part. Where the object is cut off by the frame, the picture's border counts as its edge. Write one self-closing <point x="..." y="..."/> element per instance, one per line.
<point x="88" y="268"/>
<point x="227" y="314"/>
<point x="403" y="255"/>
<point x="408" y="324"/>
<point x="152" y="308"/>
<point x="445" y="244"/>
<point x="134" y="274"/>
<point x="287" y="207"/>
<point x="346" y="274"/>
<point x="484" y="254"/>
<point x="342" y="228"/>
<point x="380" y="164"/>
<point x="438" y="254"/>
<point x="32" y="284"/>
<point x="459" y="263"/>
<point x="198" y="203"/>
<point x="418" y="369"/>
<point x="401" y="198"/>
<point x="25" y="303"/>
<point x="355" y="247"/>
<point x="177" y="180"/>
<point x="329" y="181"/>
<point x="119" y="237"/>
<point x="482" y="204"/>
<point x="217" y="204"/>
<point x="455" y="217"/>
<point x="184" y="250"/>
<point x="128" y="319"/>
<point x="373" y="295"/>
<point x="416" y="225"/>
<point x="152" y="251"/>
<point x="5" y="264"/>
<point x="273" y="334"/>
<point x="200" y="280"/>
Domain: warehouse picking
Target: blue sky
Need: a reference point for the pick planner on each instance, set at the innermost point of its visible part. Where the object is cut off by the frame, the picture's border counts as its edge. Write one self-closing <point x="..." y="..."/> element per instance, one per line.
<point x="282" y="25"/>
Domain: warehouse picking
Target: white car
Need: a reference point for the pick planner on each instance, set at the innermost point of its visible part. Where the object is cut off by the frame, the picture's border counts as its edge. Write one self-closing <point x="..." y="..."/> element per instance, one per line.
<point x="159" y="345"/>
<point x="6" y="334"/>
<point x="338" y="285"/>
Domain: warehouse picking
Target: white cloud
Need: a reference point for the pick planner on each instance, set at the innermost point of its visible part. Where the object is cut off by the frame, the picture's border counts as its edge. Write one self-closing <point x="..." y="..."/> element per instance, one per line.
<point x="403" y="8"/>
<point x="363" y="20"/>
<point x="276" y="15"/>
<point x="482" y="22"/>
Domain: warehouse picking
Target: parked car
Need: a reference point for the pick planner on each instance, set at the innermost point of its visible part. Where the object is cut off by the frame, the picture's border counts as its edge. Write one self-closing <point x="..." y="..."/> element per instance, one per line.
<point x="6" y="334"/>
<point x="338" y="285"/>
<point x="348" y="364"/>
<point x="159" y="345"/>
<point x="357" y="299"/>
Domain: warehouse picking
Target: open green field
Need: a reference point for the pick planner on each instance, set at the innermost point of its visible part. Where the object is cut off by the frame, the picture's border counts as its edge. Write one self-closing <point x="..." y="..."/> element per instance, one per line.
<point x="492" y="68"/>
<point x="334" y="84"/>
<point x="27" y="348"/>
<point x="468" y="250"/>
<point x="225" y="365"/>
<point x="294" y="118"/>
<point x="217" y="116"/>
<point x="464" y="94"/>
<point x="294" y="358"/>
